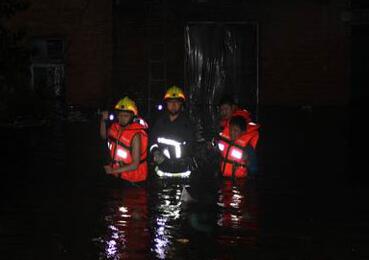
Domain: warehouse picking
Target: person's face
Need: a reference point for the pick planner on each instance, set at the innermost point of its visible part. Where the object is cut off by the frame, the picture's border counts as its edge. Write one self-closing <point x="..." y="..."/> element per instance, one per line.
<point x="235" y="132"/>
<point x="226" y="111"/>
<point x="174" y="106"/>
<point x="124" y="117"/>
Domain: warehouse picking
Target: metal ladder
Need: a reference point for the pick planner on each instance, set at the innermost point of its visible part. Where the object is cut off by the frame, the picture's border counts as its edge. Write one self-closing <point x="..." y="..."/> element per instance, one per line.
<point x="155" y="11"/>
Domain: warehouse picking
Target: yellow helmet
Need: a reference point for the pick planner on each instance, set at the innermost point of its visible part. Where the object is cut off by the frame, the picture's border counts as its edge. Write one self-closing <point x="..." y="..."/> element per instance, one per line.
<point x="174" y="92"/>
<point x="127" y="104"/>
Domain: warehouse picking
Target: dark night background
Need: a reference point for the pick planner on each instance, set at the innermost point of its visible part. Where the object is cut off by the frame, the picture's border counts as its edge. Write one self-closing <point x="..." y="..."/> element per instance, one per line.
<point x="300" y="66"/>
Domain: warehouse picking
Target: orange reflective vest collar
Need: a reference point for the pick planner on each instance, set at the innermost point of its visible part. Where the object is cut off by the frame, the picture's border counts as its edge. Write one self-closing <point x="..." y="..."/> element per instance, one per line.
<point x="233" y="161"/>
<point x="238" y="112"/>
<point x="244" y="113"/>
<point x="120" y="146"/>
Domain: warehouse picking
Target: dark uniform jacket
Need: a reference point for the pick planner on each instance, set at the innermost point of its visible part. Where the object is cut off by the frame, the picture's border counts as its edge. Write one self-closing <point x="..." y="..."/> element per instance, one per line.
<point x="180" y="131"/>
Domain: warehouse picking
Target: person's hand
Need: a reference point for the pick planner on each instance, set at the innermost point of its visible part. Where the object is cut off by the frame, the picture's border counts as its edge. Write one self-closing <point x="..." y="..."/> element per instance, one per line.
<point x="245" y="156"/>
<point x="109" y="169"/>
<point x="209" y="145"/>
<point x="104" y="115"/>
<point x="158" y="157"/>
<point x="213" y="144"/>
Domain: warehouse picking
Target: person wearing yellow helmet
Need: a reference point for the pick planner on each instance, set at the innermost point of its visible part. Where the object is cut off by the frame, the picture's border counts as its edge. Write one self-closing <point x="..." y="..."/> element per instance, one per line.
<point x="127" y="141"/>
<point x="174" y="98"/>
<point x="174" y="92"/>
<point x="127" y="104"/>
<point x="172" y="137"/>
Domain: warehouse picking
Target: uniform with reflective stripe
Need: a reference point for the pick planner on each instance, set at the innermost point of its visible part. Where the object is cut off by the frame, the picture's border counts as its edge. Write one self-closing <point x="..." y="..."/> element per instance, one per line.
<point x="173" y="151"/>
<point x="174" y="139"/>
<point x="120" y="146"/>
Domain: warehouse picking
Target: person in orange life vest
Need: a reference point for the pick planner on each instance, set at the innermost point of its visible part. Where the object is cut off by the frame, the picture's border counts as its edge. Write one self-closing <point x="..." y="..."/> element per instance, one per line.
<point x="228" y="108"/>
<point x="237" y="143"/>
<point x="127" y="143"/>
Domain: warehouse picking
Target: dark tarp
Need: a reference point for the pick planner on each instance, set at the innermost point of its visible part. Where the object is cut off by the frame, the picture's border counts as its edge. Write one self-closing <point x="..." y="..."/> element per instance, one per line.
<point x="220" y="58"/>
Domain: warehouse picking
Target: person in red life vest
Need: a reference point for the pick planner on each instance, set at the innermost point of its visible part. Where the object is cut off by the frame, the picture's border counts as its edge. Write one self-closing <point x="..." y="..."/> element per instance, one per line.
<point x="127" y="142"/>
<point x="228" y="108"/>
<point x="237" y="143"/>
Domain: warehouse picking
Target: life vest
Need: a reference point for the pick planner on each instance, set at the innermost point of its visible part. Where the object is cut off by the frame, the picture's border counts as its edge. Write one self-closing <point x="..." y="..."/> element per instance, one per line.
<point x="120" y="147"/>
<point x="233" y="162"/>
<point x="244" y="113"/>
<point x="141" y="121"/>
<point x="238" y="112"/>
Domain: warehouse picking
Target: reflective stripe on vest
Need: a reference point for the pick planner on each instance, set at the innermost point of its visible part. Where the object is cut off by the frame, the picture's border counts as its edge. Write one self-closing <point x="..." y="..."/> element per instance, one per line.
<point x="120" y="146"/>
<point x="232" y="153"/>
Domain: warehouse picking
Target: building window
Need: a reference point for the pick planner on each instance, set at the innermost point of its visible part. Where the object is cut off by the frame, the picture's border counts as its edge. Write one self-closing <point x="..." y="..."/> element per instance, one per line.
<point x="47" y="49"/>
<point x="47" y="68"/>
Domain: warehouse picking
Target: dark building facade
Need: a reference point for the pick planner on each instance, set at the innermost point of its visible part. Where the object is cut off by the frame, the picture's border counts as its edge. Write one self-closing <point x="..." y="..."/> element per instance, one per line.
<point x="109" y="48"/>
<point x="71" y="44"/>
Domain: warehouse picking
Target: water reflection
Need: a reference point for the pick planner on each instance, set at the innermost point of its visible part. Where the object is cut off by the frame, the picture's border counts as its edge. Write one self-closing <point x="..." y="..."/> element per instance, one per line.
<point x="154" y="223"/>
<point x="72" y="214"/>
<point x="165" y="210"/>
<point x="126" y="235"/>
<point x="238" y="218"/>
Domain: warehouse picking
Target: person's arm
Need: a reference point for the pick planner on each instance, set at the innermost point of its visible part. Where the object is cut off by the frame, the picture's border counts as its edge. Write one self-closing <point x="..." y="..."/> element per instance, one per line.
<point x="136" y="145"/>
<point x="156" y="155"/>
<point x="251" y="159"/>
<point x="104" y="117"/>
<point x="153" y="137"/>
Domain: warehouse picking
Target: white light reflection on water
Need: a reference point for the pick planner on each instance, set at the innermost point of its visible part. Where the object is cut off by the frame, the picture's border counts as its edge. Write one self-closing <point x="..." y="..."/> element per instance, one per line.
<point x="111" y="249"/>
<point x="123" y="209"/>
<point x="161" y="240"/>
<point x="114" y="243"/>
<point x="117" y="237"/>
<point x="169" y="210"/>
<point x="231" y="200"/>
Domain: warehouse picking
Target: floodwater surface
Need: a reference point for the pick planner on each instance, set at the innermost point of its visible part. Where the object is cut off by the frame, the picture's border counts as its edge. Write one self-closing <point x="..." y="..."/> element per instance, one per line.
<point x="57" y="203"/>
